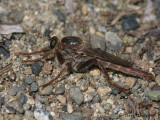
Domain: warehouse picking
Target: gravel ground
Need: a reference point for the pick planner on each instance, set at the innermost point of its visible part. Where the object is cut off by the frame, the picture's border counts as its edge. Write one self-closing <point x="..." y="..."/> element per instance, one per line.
<point x="128" y="29"/>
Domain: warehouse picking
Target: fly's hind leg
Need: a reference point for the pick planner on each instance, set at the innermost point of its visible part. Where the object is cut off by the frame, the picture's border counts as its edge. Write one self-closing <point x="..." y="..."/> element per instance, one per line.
<point x="109" y="80"/>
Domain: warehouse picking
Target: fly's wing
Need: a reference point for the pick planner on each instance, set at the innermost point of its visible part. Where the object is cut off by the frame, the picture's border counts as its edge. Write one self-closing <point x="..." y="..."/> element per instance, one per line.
<point x="97" y="53"/>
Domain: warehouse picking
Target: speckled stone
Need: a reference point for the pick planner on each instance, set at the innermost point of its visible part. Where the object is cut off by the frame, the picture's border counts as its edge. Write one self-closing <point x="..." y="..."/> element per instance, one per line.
<point x="76" y="95"/>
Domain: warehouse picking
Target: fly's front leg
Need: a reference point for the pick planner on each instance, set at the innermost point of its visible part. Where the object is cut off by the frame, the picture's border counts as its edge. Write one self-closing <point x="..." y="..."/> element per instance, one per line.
<point x="38" y="59"/>
<point x="34" y="52"/>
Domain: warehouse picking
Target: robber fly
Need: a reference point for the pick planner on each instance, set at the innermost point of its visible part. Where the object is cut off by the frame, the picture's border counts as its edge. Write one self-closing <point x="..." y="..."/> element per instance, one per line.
<point x="72" y="54"/>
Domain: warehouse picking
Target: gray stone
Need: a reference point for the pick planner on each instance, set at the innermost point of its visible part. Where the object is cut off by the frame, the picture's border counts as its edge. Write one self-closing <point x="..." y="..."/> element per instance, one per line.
<point x="130" y="23"/>
<point x="60" y="90"/>
<point x="33" y="87"/>
<point x="113" y="42"/>
<point x="76" y="95"/>
<point x="36" y="68"/>
<point x="29" y="80"/>
<point x="154" y="95"/>
<point x="12" y="91"/>
<point x="97" y="42"/>
<point x="23" y="98"/>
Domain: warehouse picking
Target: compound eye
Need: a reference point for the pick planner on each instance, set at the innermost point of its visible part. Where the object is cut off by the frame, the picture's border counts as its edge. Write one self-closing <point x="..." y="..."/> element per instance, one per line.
<point x="53" y="42"/>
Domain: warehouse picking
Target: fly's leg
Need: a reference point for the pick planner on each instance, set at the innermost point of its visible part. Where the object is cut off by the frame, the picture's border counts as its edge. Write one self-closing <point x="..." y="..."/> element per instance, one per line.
<point x="34" y="52"/>
<point x="109" y="80"/>
<point x="5" y="69"/>
<point x="38" y="59"/>
<point x="62" y="71"/>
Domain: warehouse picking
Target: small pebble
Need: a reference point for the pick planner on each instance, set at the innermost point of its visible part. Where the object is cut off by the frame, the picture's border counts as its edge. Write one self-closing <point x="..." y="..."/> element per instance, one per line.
<point x="95" y="72"/>
<point x="87" y="113"/>
<point x="12" y="91"/>
<point x="10" y="110"/>
<point x="130" y="81"/>
<point x="29" y="114"/>
<point x="97" y="42"/>
<point x="36" y="68"/>
<point x="154" y="95"/>
<point x="136" y="87"/>
<point x="84" y="9"/>
<point x="96" y="99"/>
<point x="1" y="88"/>
<point x="64" y="108"/>
<point x="88" y="97"/>
<point x="84" y="86"/>
<point x="115" y="78"/>
<point x="33" y="87"/>
<point x="76" y="95"/>
<point x="60" y="90"/>
<point x="130" y="23"/>
<point x="157" y="79"/>
<point x="69" y="108"/>
<point x="40" y="114"/>
<point x="61" y="16"/>
<point x="23" y="98"/>
<point x="29" y="80"/>
<point x="16" y="15"/>
<point x="102" y="91"/>
<point x="72" y="116"/>
<point x="38" y="104"/>
<point x="117" y="109"/>
<point x="26" y="106"/>
<point x="124" y="117"/>
<point x="129" y="50"/>
<point x="113" y="42"/>
<point x="62" y="99"/>
<point x="17" y="105"/>
<point x="152" y="84"/>
<point x="47" y="90"/>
